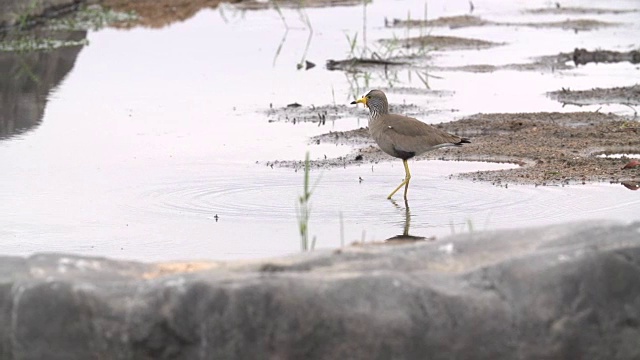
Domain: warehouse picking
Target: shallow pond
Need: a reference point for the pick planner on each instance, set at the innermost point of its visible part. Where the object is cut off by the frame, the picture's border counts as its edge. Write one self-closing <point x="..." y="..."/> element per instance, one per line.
<point x="152" y="144"/>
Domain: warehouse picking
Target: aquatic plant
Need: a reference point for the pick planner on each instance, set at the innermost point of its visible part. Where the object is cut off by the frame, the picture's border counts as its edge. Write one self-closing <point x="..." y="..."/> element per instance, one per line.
<point x="304" y="18"/>
<point x="385" y="53"/>
<point x="303" y="209"/>
<point x="466" y="227"/>
<point x="388" y="49"/>
<point x="24" y="17"/>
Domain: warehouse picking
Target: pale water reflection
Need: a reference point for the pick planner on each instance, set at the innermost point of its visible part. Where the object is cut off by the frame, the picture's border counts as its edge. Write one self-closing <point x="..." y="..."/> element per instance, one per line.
<point x="143" y="144"/>
<point x="27" y="79"/>
<point x="405" y="236"/>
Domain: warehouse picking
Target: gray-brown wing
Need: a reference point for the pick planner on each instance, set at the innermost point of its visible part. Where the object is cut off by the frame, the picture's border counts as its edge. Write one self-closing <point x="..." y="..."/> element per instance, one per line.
<point x="407" y="134"/>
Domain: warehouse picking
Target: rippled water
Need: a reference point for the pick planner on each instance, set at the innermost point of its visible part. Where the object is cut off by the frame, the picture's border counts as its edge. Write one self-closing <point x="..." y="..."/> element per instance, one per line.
<point x="151" y="144"/>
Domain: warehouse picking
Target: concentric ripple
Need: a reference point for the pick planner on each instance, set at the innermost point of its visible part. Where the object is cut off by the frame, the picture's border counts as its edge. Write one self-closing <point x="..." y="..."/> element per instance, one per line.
<point x="248" y="198"/>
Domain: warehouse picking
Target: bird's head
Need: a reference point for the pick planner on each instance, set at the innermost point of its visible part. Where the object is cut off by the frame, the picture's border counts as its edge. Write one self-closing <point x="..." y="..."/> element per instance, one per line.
<point x="375" y="100"/>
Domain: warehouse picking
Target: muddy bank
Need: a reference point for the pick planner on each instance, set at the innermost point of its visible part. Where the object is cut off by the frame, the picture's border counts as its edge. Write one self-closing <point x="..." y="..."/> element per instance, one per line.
<point x="560" y="10"/>
<point x="361" y="64"/>
<point x="418" y="52"/>
<point x="160" y="13"/>
<point x="435" y="43"/>
<point x="454" y="22"/>
<point x="552" y="148"/>
<point x="259" y="4"/>
<point x="549" y="63"/>
<point x="148" y="13"/>
<point x="295" y="113"/>
<point x="409" y="52"/>
<point x="584" y="56"/>
<point x="629" y="95"/>
<point x="157" y="14"/>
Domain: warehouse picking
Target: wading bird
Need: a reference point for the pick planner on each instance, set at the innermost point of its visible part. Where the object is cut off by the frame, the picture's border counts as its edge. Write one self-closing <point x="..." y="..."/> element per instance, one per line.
<point x="402" y="136"/>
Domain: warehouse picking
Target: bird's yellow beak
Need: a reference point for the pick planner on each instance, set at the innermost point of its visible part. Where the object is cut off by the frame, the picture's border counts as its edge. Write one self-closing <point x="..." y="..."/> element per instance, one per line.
<point x="362" y="100"/>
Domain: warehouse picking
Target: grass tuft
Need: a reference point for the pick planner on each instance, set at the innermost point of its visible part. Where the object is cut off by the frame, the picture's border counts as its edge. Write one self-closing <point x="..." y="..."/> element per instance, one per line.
<point x="303" y="209"/>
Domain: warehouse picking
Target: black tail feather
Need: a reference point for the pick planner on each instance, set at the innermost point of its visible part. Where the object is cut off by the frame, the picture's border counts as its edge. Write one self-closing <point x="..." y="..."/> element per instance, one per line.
<point x="463" y="141"/>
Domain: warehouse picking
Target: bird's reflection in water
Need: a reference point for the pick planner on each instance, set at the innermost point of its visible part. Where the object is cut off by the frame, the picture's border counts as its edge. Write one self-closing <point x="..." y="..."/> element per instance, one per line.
<point x="407" y="224"/>
<point x="631" y="185"/>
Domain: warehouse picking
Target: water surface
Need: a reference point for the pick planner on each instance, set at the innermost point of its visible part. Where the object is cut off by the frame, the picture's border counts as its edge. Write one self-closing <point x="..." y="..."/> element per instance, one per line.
<point x="151" y="144"/>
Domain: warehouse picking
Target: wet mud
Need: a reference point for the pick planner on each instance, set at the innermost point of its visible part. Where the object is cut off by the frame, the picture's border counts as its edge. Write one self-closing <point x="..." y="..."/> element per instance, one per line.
<point x="584" y="56"/>
<point x="433" y="42"/>
<point x="295" y="113"/>
<point x="158" y="13"/>
<point x="419" y="49"/>
<point x="161" y="13"/>
<point x="549" y="63"/>
<point x="454" y="22"/>
<point x="361" y="64"/>
<point x="409" y="52"/>
<point x="551" y="148"/>
<point x="560" y="10"/>
<point x="629" y="95"/>
<point x="421" y="46"/>
<point x="260" y="5"/>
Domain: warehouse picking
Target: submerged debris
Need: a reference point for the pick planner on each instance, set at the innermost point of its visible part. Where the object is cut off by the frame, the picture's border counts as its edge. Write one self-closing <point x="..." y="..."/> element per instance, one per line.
<point x="350" y="64"/>
<point x="583" y="56"/>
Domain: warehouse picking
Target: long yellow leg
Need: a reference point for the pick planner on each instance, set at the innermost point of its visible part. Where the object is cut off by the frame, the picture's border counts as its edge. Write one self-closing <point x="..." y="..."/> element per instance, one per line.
<point x="407" y="178"/>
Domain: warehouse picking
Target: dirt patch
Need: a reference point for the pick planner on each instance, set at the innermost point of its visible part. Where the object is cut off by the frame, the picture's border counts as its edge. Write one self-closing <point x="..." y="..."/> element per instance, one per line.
<point x="295" y="113"/>
<point x="549" y="63"/>
<point x="454" y="22"/>
<point x="559" y="10"/>
<point x="362" y="64"/>
<point x="435" y="43"/>
<point x="575" y="25"/>
<point x="259" y="5"/>
<point x="556" y="148"/>
<point x="408" y="52"/>
<point x="159" y="13"/>
<point x="552" y="148"/>
<point x="620" y="95"/>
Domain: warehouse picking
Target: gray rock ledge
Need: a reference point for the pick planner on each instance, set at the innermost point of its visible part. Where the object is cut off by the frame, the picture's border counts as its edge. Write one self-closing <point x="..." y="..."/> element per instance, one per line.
<point x="568" y="291"/>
